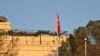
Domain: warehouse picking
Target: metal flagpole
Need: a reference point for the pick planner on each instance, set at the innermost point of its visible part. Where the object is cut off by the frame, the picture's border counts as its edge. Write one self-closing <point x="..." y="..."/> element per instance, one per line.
<point x="57" y="45"/>
<point x="58" y="32"/>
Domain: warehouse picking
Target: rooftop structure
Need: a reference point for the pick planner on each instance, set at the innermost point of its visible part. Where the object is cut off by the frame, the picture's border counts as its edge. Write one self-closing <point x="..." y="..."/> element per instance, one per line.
<point x="3" y="19"/>
<point x="4" y="24"/>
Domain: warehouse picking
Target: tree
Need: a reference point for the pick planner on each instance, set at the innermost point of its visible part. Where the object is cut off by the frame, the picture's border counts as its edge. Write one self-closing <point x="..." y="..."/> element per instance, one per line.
<point x="93" y="28"/>
<point x="80" y="34"/>
<point x="63" y="50"/>
<point x="72" y="44"/>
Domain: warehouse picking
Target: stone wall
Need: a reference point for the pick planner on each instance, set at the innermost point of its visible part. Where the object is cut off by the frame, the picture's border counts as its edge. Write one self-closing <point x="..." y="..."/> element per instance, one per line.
<point x="30" y="45"/>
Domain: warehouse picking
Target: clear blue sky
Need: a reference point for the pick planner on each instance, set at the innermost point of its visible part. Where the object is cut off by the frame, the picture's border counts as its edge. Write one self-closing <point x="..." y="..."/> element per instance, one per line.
<point x="41" y="14"/>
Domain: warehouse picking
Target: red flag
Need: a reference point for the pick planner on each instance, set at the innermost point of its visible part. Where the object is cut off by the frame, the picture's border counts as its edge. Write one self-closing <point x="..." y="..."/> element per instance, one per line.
<point x="58" y="24"/>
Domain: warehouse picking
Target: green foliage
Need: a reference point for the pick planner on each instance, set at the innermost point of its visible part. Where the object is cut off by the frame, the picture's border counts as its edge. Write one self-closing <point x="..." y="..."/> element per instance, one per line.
<point x="17" y="32"/>
<point x="63" y="51"/>
<point x="94" y="50"/>
<point x="80" y="34"/>
<point x="76" y="42"/>
<point x="72" y="44"/>
<point x="93" y="28"/>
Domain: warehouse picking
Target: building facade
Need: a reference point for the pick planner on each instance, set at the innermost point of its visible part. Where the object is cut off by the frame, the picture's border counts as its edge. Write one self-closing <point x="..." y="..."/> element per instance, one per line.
<point x="23" y="43"/>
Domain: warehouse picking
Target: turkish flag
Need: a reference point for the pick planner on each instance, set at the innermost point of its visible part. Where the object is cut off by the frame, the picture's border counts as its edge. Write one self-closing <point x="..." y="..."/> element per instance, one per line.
<point x="58" y="25"/>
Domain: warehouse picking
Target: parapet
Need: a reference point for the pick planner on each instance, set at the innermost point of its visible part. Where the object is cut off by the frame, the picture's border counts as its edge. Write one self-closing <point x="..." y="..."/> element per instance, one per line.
<point x="4" y="24"/>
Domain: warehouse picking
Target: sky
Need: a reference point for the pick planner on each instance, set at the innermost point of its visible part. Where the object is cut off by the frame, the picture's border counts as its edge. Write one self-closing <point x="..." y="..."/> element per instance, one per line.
<point x="41" y="14"/>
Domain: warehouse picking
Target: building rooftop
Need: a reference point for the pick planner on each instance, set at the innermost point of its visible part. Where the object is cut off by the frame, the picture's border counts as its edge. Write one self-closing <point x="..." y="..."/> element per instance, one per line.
<point x="3" y="19"/>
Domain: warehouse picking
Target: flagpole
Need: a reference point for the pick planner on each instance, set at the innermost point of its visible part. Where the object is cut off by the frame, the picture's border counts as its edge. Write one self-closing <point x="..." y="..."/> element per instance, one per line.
<point x="57" y="46"/>
<point x="58" y="32"/>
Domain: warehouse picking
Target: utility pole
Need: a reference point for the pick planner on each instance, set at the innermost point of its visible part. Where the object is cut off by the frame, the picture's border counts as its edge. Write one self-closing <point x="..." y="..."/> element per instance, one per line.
<point x="85" y="46"/>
